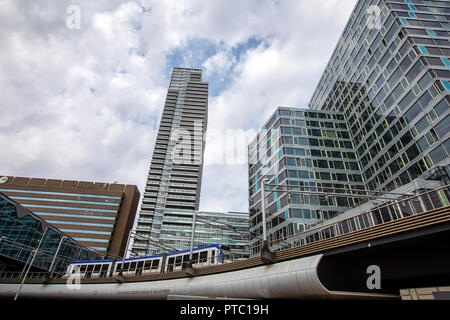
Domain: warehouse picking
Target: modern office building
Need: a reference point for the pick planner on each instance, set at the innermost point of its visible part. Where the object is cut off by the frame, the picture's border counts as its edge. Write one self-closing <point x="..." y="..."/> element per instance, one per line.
<point x="388" y="81"/>
<point x="230" y="229"/>
<point x="302" y="150"/>
<point x="174" y="178"/>
<point x="98" y="215"/>
<point x="390" y="77"/>
<point x="21" y="231"/>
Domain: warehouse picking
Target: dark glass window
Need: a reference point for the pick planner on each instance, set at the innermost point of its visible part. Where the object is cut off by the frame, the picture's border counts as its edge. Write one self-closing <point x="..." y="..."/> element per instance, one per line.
<point x="415" y="70"/>
<point x="412" y="152"/>
<point x="438" y="154"/>
<point x="422" y="124"/>
<point x="425" y="99"/>
<point x="413" y="112"/>
<point x="443" y="127"/>
<point x="441" y="107"/>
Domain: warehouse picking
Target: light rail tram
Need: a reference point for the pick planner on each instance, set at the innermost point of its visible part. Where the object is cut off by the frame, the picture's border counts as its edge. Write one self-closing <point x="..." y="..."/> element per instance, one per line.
<point x="202" y="256"/>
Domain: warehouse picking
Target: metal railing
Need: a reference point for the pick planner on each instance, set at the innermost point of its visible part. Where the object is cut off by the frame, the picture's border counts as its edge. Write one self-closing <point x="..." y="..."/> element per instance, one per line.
<point x="31" y="275"/>
<point x="390" y="211"/>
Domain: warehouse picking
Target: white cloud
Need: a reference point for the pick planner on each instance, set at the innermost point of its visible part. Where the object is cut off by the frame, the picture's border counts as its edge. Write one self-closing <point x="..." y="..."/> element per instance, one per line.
<point x="85" y="104"/>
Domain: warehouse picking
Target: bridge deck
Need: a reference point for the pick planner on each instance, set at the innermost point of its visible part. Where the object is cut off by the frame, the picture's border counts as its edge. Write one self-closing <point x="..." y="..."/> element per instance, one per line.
<point x="414" y="222"/>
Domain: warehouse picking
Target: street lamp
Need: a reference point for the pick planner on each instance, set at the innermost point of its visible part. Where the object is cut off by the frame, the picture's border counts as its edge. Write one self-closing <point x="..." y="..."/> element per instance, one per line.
<point x="267" y="256"/>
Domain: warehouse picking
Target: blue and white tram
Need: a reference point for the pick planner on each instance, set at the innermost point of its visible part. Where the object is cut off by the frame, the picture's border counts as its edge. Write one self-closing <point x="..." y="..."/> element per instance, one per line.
<point x="139" y="266"/>
<point x="90" y="269"/>
<point x="201" y="256"/>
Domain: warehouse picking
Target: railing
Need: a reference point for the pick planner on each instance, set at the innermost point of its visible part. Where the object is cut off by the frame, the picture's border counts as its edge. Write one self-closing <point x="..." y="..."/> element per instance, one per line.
<point x="393" y="210"/>
<point x="31" y="275"/>
<point x="384" y="214"/>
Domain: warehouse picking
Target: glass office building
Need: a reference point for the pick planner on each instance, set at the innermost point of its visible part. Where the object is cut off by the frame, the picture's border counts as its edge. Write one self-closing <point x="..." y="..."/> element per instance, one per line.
<point x="230" y="229"/>
<point x="20" y="234"/>
<point x="303" y="150"/>
<point x="174" y="178"/>
<point x="391" y="79"/>
<point x="388" y="81"/>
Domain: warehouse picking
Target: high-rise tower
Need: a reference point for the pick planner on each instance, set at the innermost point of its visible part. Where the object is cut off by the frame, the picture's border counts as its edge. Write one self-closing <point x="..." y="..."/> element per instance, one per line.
<point x="390" y="76"/>
<point x="385" y="92"/>
<point x="174" y="179"/>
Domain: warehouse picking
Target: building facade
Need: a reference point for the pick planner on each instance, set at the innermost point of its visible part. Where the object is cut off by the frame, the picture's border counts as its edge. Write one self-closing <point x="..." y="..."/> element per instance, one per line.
<point x="97" y="215"/>
<point x="390" y="77"/>
<point x="20" y="233"/>
<point x="174" y="179"/>
<point x="230" y="229"/>
<point x="388" y="82"/>
<point x="301" y="149"/>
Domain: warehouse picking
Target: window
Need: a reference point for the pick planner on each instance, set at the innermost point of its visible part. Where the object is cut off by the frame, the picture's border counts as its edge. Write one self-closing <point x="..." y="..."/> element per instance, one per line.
<point x="413" y="112"/>
<point x="422" y="124"/>
<point x="425" y="99"/>
<point x="438" y="154"/>
<point x="203" y="256"/>
<point x="423" y="49"/>
<point x="443" y="127"/>
<point x="406" y="100"/>
<point x="441" y="107"/>
<point x="413" y="152"/>
<point x="415" y="70"/>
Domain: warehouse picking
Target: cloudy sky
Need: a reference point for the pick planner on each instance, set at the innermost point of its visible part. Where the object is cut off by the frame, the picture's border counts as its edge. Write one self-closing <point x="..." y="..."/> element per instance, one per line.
<point x="83" y="83"/>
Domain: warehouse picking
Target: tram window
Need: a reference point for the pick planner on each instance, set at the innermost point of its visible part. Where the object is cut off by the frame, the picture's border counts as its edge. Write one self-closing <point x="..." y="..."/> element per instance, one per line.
<point x="133" y="266"/>
<point x="186" y="258"/>
<point x="104" y="270"/>
<point x="89" y="270"/>
<point x="203" y="256"/>
<point x="170" y="265"/>
<point x="126" y="265"/>
<point x="178" y="261"/>
<point x="97" y="267"/>
<point x="83" y="269"/>
<point x="147" y="264"/>
<point x="119" y="266"/>
<point x="140" y="264"/>
<point x="155" y="264"/>
<point x="195" y="257"/>
<point x="212" y="256"/>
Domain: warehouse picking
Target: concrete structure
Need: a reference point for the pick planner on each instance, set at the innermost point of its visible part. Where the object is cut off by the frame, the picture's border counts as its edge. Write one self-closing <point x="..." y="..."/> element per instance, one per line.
<point x="98" y="215"/>
<point x="174" y="179"/>
<point x="408" y="246"/>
